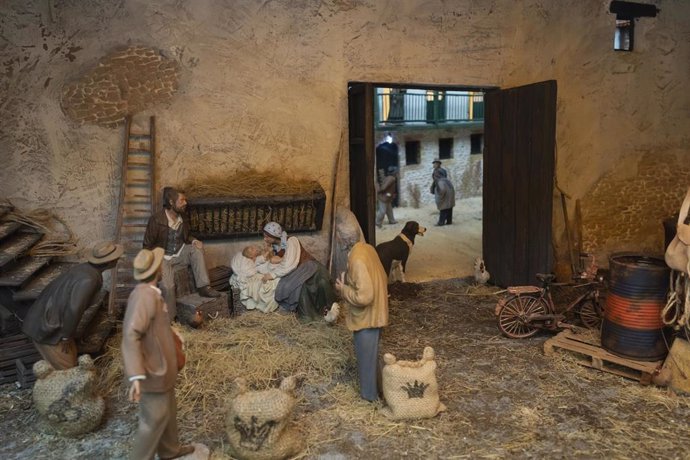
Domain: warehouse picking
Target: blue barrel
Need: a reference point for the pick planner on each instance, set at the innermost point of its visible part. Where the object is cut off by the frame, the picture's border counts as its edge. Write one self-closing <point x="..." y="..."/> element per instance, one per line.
<point x="632" y="325"/>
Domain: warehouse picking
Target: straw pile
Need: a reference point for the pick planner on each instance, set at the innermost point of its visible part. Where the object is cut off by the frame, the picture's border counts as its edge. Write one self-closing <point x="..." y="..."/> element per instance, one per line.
<point x="249" y="184"/>
<point x="261" y="348"/>
<point x="505" y="398"/>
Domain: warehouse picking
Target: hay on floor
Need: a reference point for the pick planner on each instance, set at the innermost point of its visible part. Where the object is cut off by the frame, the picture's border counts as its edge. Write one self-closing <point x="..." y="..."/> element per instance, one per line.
<point x="262" y="348"/>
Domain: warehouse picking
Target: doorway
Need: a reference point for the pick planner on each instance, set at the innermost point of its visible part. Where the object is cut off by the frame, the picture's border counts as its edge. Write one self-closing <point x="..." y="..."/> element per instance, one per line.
<point x="409" y="127"/>
<point x="513" y="206"/>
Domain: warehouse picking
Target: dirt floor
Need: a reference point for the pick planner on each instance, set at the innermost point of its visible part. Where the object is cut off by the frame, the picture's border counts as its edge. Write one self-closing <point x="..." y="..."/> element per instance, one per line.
<point x="505" y="399"/>
<point x="443" y="252"/>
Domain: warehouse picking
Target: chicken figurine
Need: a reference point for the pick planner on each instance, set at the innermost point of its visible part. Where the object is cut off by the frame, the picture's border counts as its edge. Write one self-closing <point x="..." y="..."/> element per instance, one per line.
<point x="481" y="276"/>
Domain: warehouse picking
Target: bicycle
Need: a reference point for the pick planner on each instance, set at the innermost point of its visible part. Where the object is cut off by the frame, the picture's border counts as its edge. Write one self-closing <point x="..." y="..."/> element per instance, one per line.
<point x="529" y="309"/>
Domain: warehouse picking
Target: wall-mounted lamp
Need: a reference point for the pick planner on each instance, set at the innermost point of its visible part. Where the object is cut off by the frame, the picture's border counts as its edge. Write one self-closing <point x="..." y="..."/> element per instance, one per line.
<point x="626" y="14"/>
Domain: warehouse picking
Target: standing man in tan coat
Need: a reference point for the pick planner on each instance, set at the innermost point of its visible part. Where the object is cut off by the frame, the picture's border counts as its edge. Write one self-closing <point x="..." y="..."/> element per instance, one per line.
<point x="365" y="289"/>
<point x="150" y="362"/>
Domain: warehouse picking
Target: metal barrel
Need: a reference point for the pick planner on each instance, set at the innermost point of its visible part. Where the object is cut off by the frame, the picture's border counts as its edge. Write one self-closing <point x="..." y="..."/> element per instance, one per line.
<point x="632" y="325"/>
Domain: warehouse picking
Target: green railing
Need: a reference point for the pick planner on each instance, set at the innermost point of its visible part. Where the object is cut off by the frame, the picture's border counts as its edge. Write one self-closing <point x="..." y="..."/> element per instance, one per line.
<point x="403" y="107"/>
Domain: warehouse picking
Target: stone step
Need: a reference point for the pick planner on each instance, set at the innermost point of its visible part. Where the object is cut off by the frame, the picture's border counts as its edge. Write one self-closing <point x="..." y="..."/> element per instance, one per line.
<point x="17" y="245"/>
<point x="15" y="275"/>
<point x="35" y="286"/>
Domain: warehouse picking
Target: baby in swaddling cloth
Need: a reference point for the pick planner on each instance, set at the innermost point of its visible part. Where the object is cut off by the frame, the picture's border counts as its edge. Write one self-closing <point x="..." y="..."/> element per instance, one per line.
<point x="248" y="270"/>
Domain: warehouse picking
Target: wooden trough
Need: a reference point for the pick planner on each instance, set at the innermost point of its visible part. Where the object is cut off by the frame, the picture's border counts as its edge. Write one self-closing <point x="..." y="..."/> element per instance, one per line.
<point x="233" y="217"/>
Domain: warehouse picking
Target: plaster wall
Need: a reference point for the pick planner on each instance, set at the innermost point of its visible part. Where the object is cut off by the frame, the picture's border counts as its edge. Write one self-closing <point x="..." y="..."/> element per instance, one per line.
<point x="263" y="85"/>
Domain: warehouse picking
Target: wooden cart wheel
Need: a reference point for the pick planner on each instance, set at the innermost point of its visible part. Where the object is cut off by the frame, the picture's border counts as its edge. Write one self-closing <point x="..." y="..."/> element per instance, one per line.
<point x="589" y="314"/>
<point x="512" y="316"/>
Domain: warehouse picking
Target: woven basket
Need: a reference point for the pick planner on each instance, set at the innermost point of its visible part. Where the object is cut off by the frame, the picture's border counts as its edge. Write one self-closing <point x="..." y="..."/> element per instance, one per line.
<point x="258" y="423"/>
<point x="66" y="399"/>
<point x="410" y="387"/>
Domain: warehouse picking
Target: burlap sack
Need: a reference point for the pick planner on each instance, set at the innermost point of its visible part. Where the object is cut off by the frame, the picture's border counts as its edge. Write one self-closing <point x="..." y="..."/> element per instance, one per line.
<point x="677" y="254"/>
<point x="410" y="387"/>
<point x="259" y="422"/>
<point x="66" y="400"/>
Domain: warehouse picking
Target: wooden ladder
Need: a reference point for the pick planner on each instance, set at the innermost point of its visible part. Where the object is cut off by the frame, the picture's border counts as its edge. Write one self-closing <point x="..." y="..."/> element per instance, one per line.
<point x="137" y="198"/>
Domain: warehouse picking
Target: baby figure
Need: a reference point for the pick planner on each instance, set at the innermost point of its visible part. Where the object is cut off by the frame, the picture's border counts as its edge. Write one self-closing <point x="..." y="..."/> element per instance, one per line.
<point x="248" y="270"/>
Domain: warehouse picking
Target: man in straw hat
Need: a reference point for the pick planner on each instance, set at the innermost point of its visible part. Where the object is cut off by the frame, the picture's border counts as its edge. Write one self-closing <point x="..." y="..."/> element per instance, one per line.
<point x="169" y="229"/>
<point x="150" y="362"/>
<point x="53" y="318"/>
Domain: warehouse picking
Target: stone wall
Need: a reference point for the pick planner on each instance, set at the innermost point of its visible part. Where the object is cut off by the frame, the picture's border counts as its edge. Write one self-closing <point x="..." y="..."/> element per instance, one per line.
<point x="126" y="81"/>
<point x="626" y="211"/>
<point x="464" y="169"/>
<point x="263" y="85"/>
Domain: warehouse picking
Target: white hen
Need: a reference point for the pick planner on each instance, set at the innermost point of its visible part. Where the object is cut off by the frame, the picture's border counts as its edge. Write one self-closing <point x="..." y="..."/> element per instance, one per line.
<point x="481" y="275"/>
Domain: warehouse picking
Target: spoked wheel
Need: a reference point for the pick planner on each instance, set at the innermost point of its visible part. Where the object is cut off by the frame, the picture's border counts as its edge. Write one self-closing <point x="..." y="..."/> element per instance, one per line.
<point x="590" y="314"/>
<point x="513" y="315"/>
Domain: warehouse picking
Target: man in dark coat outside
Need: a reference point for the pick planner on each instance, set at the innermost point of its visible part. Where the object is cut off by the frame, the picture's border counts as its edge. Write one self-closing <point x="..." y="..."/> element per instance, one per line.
<point x="444" y="193"/>
<point x="53" y="318"/>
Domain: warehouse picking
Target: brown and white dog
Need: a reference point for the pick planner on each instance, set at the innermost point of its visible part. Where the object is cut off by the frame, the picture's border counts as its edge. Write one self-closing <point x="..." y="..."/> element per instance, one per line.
<point x="394" y="253"/>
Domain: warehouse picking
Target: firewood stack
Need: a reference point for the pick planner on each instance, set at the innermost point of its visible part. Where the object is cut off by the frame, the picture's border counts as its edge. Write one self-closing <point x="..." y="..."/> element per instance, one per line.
<point x="23" y="276"/>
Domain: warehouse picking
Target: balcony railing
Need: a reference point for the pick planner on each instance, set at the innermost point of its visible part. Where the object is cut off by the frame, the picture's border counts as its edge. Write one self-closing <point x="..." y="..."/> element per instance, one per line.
<point x="411" y="106"/>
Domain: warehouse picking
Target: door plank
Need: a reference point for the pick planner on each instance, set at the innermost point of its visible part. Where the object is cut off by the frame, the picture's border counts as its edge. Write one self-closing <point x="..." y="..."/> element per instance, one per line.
<point x="518" y="182"/>
<point x="361" y="142"/>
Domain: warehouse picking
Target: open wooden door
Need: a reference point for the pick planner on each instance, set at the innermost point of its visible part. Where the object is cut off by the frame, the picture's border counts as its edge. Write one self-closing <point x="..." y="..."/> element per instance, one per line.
<point x="520" y="134"/>
<point x="361" y="129"/>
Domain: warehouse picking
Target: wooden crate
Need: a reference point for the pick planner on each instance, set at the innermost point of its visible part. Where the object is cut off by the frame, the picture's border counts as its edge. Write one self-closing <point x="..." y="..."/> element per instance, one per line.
<point x="587" y="347"/>
<point x="17" y="356"/>
<point x="210" y="308"/>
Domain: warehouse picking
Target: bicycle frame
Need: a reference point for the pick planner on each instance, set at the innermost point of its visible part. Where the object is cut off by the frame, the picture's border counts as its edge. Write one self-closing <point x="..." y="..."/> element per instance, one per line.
<point x="529" y="308"/>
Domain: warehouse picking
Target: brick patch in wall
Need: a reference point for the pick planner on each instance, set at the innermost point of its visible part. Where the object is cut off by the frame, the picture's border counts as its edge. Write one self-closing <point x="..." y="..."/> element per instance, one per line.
<point x="126" y="81"/>
<point x="627" y="214"/>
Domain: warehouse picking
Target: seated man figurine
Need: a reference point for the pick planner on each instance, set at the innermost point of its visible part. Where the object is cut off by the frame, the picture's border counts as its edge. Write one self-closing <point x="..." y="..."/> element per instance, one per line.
<point x="248" y="270"/>
<point x="169" y="229"/>
<point x="53" y="318"/>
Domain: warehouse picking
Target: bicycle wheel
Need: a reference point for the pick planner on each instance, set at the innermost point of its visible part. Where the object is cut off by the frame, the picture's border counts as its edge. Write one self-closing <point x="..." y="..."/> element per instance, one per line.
<point x="589" y="314"/>
<point x="513" y="315"/>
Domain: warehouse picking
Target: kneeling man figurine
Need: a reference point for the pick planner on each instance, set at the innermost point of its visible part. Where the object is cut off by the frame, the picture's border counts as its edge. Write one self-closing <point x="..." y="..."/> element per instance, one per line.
<point x="150" y="361"/>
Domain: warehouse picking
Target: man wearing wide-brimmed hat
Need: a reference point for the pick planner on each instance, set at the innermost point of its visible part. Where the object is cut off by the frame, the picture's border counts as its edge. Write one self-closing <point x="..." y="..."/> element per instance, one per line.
<point x="150" y="362"/>
<point x="53" y="318"/>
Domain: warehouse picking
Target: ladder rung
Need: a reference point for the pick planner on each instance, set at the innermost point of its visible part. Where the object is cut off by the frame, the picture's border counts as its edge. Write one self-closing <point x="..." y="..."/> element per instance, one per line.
<point x="140" y="181"/>
<point x="137" y="164"/>
<point x="143" y="183"/>
<point x="139" y="152"/>
<point x="134" y="225"/>
<point x="144" y="135"/>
